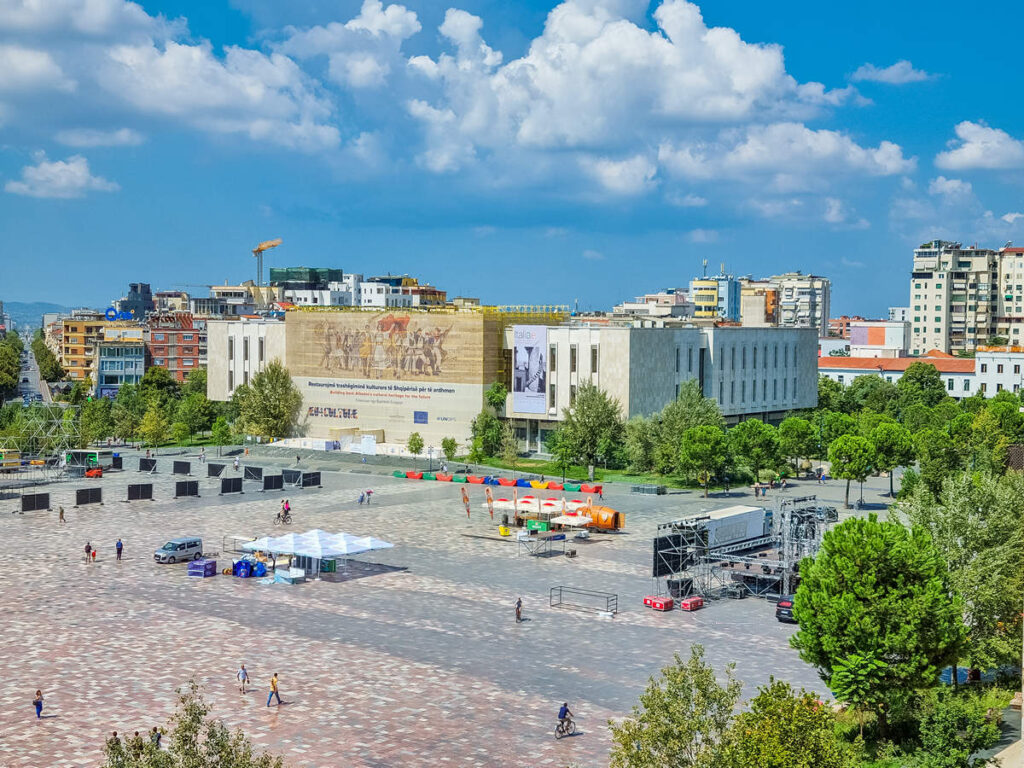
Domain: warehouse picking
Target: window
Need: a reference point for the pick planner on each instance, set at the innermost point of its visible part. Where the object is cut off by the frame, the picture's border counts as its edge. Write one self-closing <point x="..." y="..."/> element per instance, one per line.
<point x="677" y="359"/>
<point x="967" y="385"/>
<point x="158" y="337"/>
<point x="999" y="368"/>
<point x="245" y="377"/>
<point x="743" y="358"/>
<point x="245" y="349"/>
<point x="732" y="391"/>
<point x="754" y="362"/>
<point x="552" y="397"/>
<point x="572" y="394"/>
<point x="785" y="387"/>
<point x="732" y="358"/>
<point x="593" y="358"/>
<point x="982" y="387"/>
<point x="743" y="391"/>
<point x="159" y="361"/>
<point x="949" y="385"/>
<point x="775" y="389"/>
<point x="187" y="362"/>
<point x="764" y="389"/>
<point x="721" y="391"/>
<point x="231" y="350"/>
<point x="1016" y="369"/>
<point x="187" y="336"/>
<point x="984" y="367"/>
<point x="764" y="358"/>
<point x="572" y="358"/>
<point x="261" y="343"/>
<point x="552" y="357"/>
<point x="689" y="359"/>
<point x="999" y="387"/>
<point x="231" y="380"/>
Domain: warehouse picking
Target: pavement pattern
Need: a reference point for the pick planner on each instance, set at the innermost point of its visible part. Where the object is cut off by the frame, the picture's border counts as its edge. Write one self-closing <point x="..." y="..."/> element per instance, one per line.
<point x="414" y="660"/>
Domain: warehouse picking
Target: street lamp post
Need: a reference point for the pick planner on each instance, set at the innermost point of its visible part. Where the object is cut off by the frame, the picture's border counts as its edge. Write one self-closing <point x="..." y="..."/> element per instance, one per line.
<point x="430" y="458"/>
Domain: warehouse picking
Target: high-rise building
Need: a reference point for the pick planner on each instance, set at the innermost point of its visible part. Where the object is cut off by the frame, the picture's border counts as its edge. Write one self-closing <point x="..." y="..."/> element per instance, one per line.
<point x="899" y="314"/>
<point x="759" y="303"/>
<point x="804" y="301"/>
<point x="138" y="302"/>
<point x="716" y="296"/>
<point x="1009" y="297"/>
<point x="120" y="358"/>
<point x="176" y="341"/>
<point x="955" y="296"/>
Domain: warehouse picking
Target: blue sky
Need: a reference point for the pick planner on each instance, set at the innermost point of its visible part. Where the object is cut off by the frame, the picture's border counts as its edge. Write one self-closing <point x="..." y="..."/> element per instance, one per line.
<point x="522" y="152"/>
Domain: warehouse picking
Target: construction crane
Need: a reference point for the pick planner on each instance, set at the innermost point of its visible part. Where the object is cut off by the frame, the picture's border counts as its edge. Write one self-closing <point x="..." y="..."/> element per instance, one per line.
<point x="266" y="245"/>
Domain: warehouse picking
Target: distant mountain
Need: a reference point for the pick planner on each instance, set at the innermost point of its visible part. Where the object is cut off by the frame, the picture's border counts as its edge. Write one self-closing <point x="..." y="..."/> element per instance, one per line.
<point x="30" y="314"/>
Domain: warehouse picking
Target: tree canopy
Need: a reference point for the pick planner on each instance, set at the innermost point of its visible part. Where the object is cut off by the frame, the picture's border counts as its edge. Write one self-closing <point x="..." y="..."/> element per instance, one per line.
<point x="270" y="406"/>
<point x="593" y="425"/>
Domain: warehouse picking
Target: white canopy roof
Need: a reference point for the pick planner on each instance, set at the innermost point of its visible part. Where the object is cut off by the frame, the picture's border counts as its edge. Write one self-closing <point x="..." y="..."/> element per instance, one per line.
<point x="317" y="544"/>
<point x="576" y="520"/>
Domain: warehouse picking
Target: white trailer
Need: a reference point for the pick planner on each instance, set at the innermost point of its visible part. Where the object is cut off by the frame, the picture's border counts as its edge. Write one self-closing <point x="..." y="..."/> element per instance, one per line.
<point x="731" y="525"/>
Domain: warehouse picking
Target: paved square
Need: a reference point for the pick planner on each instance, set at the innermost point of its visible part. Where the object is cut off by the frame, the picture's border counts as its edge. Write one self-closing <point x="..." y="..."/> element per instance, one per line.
<point x="419" y="663"/>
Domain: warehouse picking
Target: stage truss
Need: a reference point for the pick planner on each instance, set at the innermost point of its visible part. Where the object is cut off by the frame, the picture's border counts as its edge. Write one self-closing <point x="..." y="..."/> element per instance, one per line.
<point x="767" y="566"/>
<point x="41" y="433"/>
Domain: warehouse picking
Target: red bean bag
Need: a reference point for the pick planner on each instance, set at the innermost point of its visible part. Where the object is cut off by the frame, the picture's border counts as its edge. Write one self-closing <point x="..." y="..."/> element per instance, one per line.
<point x="414" y="475"/>
<point x="506" y="481"/>
<point x="554" y="486"/>
<point x="443" y="478"/>
<point x="475" y="480"/>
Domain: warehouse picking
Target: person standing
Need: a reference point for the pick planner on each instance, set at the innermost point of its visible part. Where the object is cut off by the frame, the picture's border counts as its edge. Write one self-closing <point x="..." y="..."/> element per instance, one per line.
<point x="273" y="691"/>
<point x="236" y="463"/>
<point x="119" y="546"/>
<point x="37" y="702"/>
<point x="298" y="458"/>
<point x="243" y="677"/>
<point x="369" y="493"/>
<point x="88" y="551"/>
<point x="155" y="736"/>
<point x="60" y="515"/>
<point x="519" y="610"/>
<point x="362" y="498"/>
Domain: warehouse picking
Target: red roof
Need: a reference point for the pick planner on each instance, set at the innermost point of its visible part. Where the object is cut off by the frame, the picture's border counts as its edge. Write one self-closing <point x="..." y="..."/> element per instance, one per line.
<point x="897" y="364"/>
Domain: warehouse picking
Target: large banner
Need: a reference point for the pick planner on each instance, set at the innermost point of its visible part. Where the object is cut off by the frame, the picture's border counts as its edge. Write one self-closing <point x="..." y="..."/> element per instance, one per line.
<point x="529" y="380"/>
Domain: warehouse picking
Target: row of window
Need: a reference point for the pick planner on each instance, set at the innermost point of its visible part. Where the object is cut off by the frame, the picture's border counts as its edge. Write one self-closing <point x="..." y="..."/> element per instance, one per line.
<point x="553" y="357"/>
<point x="764" y="358"/>
<point x="786" y="392"/>
<point x="245" y="348"/>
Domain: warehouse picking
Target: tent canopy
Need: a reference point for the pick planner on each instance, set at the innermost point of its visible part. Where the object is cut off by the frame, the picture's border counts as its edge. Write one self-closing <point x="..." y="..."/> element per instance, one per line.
<point x="317" y="544"/>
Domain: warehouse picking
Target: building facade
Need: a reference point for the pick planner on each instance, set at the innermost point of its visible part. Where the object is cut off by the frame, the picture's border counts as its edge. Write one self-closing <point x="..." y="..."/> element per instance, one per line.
<point x="958" y="374"/>
<point x="176" y="341"/>
<point x="879" y="338"/>
<point x="805" y="301"/>
<point x="240" y="349"/>
<point x="138" y="302"/>
<point x="716" y="296"/>
<point x="671" y="302"/>
<point x="899" y="314"/>
<point x="759" y="304"/>
<point x="79" y="337"/>
<point x="120" y="359"/>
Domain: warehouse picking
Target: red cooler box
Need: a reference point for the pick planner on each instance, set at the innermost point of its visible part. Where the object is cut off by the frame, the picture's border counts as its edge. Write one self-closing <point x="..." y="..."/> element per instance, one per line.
<point x="659" y="602"/>
<point x="691" y="603"/>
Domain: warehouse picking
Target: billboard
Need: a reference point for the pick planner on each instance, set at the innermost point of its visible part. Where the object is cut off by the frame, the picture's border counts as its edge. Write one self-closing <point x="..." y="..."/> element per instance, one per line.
<point x="530" y="369"/>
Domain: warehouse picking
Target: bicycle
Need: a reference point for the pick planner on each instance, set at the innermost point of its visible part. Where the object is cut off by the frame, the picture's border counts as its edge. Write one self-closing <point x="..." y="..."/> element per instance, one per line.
<point x="566" y="728"/>
<point x="284" y="518"/>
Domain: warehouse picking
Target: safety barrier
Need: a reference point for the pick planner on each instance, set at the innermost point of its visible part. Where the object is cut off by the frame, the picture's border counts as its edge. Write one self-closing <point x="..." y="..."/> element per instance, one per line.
<point x="230" y="485"/>
<point x="273" y="482"/>
<point x="214" y="470"/>
<point x="311" y="479"/>
<point x="85" y="496"/>
<point x="147" y="465"/>
<point x="140" y="492"/>
<point x="186" y="488"/>
<point x="587" y="600"/>
<point x="181" y="468"/>
<point x="252" y="473"/>
<point x="31" y="502"/>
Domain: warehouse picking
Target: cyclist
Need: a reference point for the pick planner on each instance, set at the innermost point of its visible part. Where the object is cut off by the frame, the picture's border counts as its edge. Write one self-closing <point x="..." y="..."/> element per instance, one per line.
<point x="564" y="714"/>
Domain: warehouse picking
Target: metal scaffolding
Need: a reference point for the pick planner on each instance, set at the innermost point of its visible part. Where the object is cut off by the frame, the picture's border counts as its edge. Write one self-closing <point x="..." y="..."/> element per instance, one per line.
<point x="41" y="434"/>
<point x="765" y="566"/>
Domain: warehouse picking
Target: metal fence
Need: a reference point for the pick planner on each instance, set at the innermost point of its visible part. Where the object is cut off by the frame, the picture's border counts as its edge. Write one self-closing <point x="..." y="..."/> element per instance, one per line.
<point x="587" y="600"/>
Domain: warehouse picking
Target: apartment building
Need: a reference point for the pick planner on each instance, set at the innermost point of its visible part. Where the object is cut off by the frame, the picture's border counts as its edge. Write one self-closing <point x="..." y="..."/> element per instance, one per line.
<point x="176" y="341"/>
<point x="958" y="374"/>
<point x="879" y="338"/>
<point x="716" y="297"/>
<point x="759" y="303"/>
<point x="120" y="359"/>
<point x="79" y="336"/>
<point x="805" y="301"/>
<point x="955" y="299"/>
<point x="671" y="302"/>
<point x="1009" y="297"/>
<point x="839" y="327"/>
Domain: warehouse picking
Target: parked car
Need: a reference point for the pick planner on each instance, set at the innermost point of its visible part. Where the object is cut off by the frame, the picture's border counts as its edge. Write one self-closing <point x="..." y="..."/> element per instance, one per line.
<point x="180" y="550"/>
<point x="24" y="379"/>
<point x="784" y="610"/>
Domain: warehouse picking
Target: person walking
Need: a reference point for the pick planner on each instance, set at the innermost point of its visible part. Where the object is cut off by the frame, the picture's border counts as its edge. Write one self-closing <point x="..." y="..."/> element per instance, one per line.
<point x="202" y="455"/>
<point x="273" y="691"/>
<point x="119" y="546"/>
<point x="37" y="702"/>
<point x="236" y="463"/>
<point x="519" y="610"/>
<point x="243" y="677"/>
<point x="60" y="515"/>
<point x="88" y="551"/>
<point x="362" y="498"/>
<point x="369" y="493"/>
<point x="155" y="736"/>
<point x="298" y="458"/>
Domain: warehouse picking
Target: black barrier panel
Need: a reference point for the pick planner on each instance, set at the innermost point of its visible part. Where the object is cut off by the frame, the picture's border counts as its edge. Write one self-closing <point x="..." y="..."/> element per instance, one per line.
<point x="310" y="479"/>
<point x="214" y="470"/>
<point x="291" y="476"/>
<point x="231" y="485"/>
<point x="117" y="462"/>
<point x="186" y="488"/>
<point x="140" y="491"/>
<point x="181" y="468"/>
<point x="147" y="465"/>
<point x="273" y="482"/>
<point x="35" y="501"/>
<point x="252" y="473"/>
<point x="88" y="496"/>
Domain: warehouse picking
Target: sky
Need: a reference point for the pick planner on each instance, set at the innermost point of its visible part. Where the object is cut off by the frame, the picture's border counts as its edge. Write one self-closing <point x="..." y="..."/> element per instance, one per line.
<point x="523" y="152"/>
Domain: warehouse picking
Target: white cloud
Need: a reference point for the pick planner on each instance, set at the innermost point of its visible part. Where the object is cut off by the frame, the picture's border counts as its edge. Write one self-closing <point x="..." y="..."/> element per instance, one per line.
<point x="687" y="201"/>
<point x="592" y="255"/>
<point x="265" y="97"/>
<point x="702" y="236"/>
<point x="1011" y="218"/>
<point x="28" y="69"/>
<point x="777" y="207"/>
<point x="622" y="177"/>
<point x="900" y="73"/>
<point x="395" y="20"/>
<point x="59" y="179"/>
<point x="837" y="213"/>
<point x="359" y="70"/>
<point x="979" y="146"/>
<point x="85" y="17"/>
<point x="88" y="137"/>
<point x="463" y="29"/>
<point x="951" y="189"/>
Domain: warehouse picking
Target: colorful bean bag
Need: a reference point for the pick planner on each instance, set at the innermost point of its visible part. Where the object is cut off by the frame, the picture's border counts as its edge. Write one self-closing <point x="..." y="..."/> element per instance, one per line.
<point x="414" y="475"/>
<point x="429" y="476"/>
<point x="475" y="480"/>
<point x="522" y="482"/>
<point x="507" y="481"/>
<point x="539" y="484"/>
<point x="458" y="478"/>
<point x="552" y="486"/>
<point x="589" y="488"/>
<point x="443" y="477"/>
<point x="398" y="473"/>
<point x="573" y="487"/>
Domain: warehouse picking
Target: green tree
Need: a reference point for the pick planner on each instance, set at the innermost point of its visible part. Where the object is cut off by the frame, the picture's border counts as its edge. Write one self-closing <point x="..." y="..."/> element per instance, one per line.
<point x="858" y="680"/>
<point x="881" y="590"/>
<point x="953" y="729"/>
<point x="270" y="406"/>
<point x="851" y="458"/>
<point x="449" y="448"/>
<point x="796" y="439"/>
<point x="893" y="448"/>
<point x="158" y="386"/>
<point x="195" y="412"/>
<point x="195" y="741"/>
<point x="154" y="427"/>
<point x="415" y="444"/>
<point x="690" y="409"/>
<point x="96" y="421"/>
<point x="195" y="383"/>
<point x="920" y="383"/>
<point x="220" y="434"/>
<point x="509" y="445"/>
<point x="486" y="431"/>
<point x="495" y="396"/>
<point x="937" y="457"/>
<point x="561" y="449"/>
<point x="784" y="729"/>
<point x="704" y="452"/>
<point x="977" y="524"/>
<point x="681" y="719"/>
<point x="830" y="394"/>
<point x="129" y="408"/>
<point x="79" y="392"/>
<point x="180" y="433"/>
<point x="593" y="425"/>
<point x="641" y="444"/>
<point x="756" y="444"/>
<point x="871" y="392"/>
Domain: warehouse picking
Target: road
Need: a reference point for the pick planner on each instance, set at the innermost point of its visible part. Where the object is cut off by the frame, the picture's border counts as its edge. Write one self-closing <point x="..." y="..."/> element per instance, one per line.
<point x="30" y="371"/>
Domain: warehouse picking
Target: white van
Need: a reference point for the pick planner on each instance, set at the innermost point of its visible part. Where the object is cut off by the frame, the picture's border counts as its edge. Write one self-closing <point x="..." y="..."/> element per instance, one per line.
<point x="180" y="550"/>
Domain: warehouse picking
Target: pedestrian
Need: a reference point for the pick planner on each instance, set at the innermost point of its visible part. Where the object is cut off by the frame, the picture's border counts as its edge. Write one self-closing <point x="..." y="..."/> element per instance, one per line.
<point x="298" y="458"/>
<point x="119" y="546"/>
<point x="94" y="555"/>
<point x="147" y="453"/>
<point x="362" y="498"/>
<point x="369" y="493"/>
<point x="519" y="610"/>
<point x="60" y="515"/>
<point x="236" y="463"/>
<point x="273" y="691"/>
<point x="600" y="492"/>
<point x="88" y="551"/>
<point x="136" y="745"/>
<point x="246" y="451"/>
<point x="243" y="678"/>
<point x="202" y="455"/>
<point x="155" y="736"/>
<point x="37" y="702"/>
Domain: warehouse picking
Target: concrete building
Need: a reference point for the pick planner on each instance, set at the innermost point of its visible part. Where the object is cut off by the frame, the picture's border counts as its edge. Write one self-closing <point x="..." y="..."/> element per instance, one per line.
<point x="804" y="301"/>
<point x="138" y="302"/>
<point x="899" y="314"/>
<point x="958" y="374"/>
<point x="759" y="304"/>
<point x="239" y="350"/>
<point x="998" y="369"/>
<point x="79" y="336"/>
<point x="954" y="296"/>
<point x="176" y="341"/>
<point x="671" y="302"/>
<point x="879" y="338"/>
<point x="839" y="327"/>
<point x="1008" y="320"/>
<point x="120" y="359"/>
<point x="750" y="372"/>
<point x="716" y="296"/>
<point x="171" y="301"/>
<point x="833" y="346"/>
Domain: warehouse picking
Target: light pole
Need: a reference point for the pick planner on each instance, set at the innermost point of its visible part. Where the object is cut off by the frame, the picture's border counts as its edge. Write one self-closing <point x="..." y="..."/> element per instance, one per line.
<point x="430" y="458"/>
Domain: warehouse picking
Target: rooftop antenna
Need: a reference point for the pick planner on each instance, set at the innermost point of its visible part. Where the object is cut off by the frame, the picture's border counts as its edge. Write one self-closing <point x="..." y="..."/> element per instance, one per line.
<point x="723" y="269"/>
<point x="705" y="267"/>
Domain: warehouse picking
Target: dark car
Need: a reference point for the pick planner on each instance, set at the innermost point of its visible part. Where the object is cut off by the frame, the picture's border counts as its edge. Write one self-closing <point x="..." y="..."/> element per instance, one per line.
<point x="784" y="610"/>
